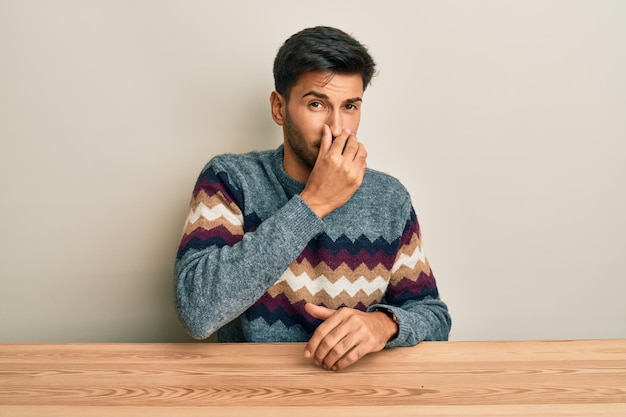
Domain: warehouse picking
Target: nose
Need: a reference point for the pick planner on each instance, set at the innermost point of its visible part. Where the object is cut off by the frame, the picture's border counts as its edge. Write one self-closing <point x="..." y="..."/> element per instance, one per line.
<point x="335" y="122"/>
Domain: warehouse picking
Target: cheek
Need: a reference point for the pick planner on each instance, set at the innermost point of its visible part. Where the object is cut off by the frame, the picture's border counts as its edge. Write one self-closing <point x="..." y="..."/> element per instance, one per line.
<point x="312" y="125"/>
<point x="353" y="123"/>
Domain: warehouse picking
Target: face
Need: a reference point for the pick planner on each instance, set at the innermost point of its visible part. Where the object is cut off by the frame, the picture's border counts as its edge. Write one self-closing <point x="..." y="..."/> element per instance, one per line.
<point x="317" y="99"/>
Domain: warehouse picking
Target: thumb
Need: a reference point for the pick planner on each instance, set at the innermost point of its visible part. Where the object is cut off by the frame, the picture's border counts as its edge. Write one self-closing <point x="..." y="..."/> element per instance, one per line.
<point x="319" y="312"/>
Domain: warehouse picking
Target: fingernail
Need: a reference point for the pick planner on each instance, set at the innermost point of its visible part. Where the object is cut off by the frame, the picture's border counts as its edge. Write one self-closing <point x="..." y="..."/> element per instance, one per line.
<point x="307" y="354"/>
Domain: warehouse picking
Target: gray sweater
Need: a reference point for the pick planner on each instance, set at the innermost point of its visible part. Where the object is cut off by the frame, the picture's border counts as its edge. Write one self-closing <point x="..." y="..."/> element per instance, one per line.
<point x="253" y="253"/>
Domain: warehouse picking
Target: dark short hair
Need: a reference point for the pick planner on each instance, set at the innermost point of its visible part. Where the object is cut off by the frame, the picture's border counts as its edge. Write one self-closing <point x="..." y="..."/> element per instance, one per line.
<point x="320" y="48"/>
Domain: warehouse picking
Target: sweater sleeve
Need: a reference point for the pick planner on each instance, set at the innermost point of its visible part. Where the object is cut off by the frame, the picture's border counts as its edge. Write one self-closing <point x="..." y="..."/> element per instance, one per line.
<point x="412" y="293"/>
<point x="220" y="271"/>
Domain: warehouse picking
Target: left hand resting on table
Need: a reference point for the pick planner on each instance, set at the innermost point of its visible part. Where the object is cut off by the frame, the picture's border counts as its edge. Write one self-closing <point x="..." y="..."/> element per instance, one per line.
<point x="346" y="335"/>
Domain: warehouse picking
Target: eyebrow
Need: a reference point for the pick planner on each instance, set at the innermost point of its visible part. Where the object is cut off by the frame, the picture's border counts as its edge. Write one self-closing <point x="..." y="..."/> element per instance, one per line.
<point x="324" y="96"/>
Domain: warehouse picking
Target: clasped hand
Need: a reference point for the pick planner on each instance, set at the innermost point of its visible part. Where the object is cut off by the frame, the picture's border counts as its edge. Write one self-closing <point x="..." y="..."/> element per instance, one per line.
<point x="346" y="335"/>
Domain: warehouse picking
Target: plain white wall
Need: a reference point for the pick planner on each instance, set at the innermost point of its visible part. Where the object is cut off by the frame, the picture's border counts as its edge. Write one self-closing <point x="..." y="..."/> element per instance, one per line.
<point x="506" y="120"/>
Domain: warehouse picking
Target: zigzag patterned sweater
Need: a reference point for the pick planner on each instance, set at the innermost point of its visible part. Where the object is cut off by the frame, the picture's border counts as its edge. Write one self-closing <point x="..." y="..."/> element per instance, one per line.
<point x="253" y="253"/>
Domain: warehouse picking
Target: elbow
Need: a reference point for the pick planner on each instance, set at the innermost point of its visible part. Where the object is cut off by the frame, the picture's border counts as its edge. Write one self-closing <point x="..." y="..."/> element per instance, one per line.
<point x="193" y="320"/>
<point x="437" y="322"/>
<point x="444" y="324"/>
<point x="192" y="309"/>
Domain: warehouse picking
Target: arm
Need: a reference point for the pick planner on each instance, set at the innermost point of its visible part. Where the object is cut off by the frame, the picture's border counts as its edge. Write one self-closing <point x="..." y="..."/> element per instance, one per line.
<point x="347" y="334"/>
<point x="412" y="294"/>
<point x="220" y="271"/>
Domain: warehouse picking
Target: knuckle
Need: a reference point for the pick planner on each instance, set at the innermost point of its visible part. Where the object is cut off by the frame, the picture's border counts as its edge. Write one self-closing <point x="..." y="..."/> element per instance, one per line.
<point x="350" y="358"/>
<point x="345" y="345"/>
<point x="326" y="344"/>
<point x="334" y="159"/>
<point x="352" y="145"/>
<point x="354" y="319"/>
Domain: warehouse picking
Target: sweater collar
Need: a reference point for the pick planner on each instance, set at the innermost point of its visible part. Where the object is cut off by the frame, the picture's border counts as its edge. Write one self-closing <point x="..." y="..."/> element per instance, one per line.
<point x="291" y="186"/>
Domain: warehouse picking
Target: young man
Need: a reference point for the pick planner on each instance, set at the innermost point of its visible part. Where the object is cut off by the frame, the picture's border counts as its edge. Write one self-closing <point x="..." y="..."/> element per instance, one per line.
<point x="304" y="243"/>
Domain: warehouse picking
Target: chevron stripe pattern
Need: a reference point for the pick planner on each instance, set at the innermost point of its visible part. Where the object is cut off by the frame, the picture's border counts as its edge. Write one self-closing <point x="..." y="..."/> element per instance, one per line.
<point x="358" y="275"/>
<point x="214" y="217"/>
<point x="336" y="273"/>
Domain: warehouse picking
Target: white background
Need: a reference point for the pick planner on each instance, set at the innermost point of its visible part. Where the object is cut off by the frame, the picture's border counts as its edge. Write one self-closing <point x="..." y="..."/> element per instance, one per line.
<point x="506" y="120"/>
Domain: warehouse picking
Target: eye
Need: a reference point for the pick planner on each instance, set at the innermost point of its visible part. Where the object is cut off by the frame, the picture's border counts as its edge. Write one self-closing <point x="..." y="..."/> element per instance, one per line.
<point x="351" y="106"/>
<point x="316" y="104"/>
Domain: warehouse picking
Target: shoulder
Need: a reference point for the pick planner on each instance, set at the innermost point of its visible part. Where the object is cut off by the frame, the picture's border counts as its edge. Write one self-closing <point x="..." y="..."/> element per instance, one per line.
<point x="382" y="184"/>
<point x="240" y="170"/>
<point x="232" y="163"/>
<point x="382" y="206"/>
<point x="387" y="195"/>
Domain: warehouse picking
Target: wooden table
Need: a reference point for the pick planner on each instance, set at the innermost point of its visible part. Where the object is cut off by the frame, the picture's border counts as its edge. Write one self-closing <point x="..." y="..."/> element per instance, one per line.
<point x="517" y="378"/>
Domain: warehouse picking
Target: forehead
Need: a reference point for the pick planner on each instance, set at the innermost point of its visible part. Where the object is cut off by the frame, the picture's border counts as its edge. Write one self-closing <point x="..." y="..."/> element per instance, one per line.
<point x="335" y="86"/>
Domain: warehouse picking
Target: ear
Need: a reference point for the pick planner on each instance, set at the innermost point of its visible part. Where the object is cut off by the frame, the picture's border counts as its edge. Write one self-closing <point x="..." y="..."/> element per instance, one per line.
<point x="278" y="105"/>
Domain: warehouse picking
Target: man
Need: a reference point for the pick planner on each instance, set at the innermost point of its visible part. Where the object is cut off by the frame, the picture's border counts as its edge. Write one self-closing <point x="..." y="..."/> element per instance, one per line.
<point x="304" y="243"/>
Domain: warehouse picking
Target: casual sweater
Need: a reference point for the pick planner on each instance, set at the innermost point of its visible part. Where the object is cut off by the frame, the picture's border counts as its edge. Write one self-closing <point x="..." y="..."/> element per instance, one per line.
<point x="253" y="254"/>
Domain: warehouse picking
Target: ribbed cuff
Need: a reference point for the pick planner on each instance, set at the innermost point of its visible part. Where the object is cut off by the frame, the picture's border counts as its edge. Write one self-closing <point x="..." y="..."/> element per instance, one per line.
<point x="304" y="223"/>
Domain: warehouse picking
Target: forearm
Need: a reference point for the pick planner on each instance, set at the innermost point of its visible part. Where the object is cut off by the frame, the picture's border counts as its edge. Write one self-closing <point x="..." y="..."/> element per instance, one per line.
<point x="215" y="285"/>
<point x="418" y="321"/>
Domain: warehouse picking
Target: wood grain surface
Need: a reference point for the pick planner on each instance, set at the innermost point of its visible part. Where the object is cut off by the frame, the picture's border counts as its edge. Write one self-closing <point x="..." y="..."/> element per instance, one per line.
<point x="513" y="378"/>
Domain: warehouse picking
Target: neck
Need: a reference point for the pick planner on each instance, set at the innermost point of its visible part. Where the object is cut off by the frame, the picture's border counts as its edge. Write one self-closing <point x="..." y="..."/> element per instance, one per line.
<point x="295" y="166"/>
